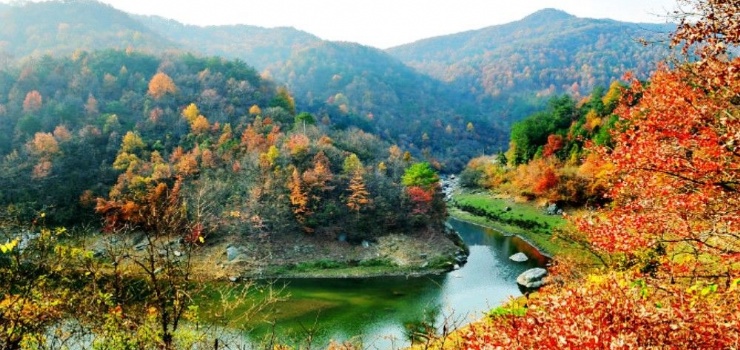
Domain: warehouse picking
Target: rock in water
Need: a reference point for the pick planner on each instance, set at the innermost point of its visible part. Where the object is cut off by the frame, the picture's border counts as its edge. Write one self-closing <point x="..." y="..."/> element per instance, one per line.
<point x="519" y="257"/>
<point x="532" y="278"/>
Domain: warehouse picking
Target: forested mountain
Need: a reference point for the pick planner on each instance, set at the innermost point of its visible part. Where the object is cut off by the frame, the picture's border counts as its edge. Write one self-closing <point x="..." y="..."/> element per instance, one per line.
<point x="458" y="99"/>
<point x="63" y="120"/>
<point x="61" y="28"/>
<point x="548" y="52"/>
<point x="365" y="87"/>
<point x="260" y="47"/>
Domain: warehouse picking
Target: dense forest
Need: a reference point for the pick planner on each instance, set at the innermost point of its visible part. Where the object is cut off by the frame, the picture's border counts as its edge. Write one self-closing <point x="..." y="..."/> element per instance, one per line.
<point x="662" y="185"/>
<point x="511" y="67"/>
<point x="142" y="121"/>
<point x="462" y="90"/>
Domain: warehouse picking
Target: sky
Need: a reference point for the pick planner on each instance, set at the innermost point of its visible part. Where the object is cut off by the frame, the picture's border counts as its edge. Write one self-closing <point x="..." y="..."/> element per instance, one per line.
<point x="385" y="23"/>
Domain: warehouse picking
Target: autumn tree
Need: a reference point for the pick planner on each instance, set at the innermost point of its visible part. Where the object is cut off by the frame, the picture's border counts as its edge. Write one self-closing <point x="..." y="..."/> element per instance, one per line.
<point x="358" y="197"/>
<point x="255" y="110"/>
<point x="91" y="106"/>
<point x="32" y="102"/>
<point x="160" y="85"/>
<point x="672" y="231"/>
<point x="190" y="113"/>
<point x="298" y="198"/>
<point x="284" y="100"/>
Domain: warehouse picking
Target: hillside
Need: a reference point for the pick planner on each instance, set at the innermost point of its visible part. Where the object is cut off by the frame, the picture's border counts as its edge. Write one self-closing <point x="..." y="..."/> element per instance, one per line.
<point x="547" y="53"/>
<point x="61" y="28"/>
<point x="445" y="99"/>
<point x="362" y="86"/>
<point x="259" y="46"/>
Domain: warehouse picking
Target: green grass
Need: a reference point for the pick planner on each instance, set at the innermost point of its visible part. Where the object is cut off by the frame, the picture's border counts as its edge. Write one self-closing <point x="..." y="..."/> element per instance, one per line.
<point x="523" y="219"/>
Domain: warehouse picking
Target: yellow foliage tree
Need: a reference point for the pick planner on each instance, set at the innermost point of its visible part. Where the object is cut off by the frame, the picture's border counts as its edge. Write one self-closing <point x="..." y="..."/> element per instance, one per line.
<point x="255" y="110"/>
<point x="190" y="113"/>
<point x="132" y="143"/>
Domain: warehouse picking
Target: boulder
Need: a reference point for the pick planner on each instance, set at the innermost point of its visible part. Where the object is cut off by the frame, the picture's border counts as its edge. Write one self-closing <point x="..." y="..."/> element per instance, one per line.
<point x="532" y="278"/>
<point x="519" y="257"/>
<point x="232" y="253"/>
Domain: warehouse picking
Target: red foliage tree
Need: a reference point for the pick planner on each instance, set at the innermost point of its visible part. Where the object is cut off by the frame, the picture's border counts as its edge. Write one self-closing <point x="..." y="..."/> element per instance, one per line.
<point x="421" y="199"/>
<point x="554" y="144"/>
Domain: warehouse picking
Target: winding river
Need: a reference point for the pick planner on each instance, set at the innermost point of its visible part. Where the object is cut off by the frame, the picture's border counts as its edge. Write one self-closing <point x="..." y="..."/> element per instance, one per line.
<point x="378" y="311"/>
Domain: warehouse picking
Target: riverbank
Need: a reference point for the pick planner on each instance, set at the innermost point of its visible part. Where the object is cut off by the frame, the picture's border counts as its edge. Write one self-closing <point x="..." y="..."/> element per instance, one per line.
<point x="304" y="256"/>
<point x="523" y="219"/>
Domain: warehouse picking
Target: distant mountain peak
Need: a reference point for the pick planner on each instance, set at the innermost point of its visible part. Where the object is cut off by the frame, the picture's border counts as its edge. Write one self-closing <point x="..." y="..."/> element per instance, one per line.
<point x="548" y="15"/>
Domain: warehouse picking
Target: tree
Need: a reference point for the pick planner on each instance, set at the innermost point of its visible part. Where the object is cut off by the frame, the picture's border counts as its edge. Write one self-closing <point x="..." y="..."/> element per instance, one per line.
<point x="358" y="197"/>
<point x="421" y="175"/>
<point x="554" y="144"/>
<point x="200" y="125"/>
<point x="91" y="107"/>
<point x="255" y="110"/>
<point x="132" y="143"/>
<point x="190" y="113"/>
<point x="32" y="102"/>
<point x="298" y="197"/>
<point x="351" y="164"/>
<point x="160" y="85"/>
<point x="284" y="100"/>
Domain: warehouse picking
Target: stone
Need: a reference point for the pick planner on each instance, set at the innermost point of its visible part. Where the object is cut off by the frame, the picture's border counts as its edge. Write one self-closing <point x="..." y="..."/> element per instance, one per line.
<point x="532" y="278"/>
<point x="232" y="253"/>
<point x="365" y="244"/>
<point x="233" y="278"/>
<point x="177" y="253"/>
<point x="141" y="245"/>
<point x="519" y="257"/>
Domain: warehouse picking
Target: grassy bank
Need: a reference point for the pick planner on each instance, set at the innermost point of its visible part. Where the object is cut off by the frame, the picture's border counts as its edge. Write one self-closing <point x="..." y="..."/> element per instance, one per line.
<point x="525" y="220"/>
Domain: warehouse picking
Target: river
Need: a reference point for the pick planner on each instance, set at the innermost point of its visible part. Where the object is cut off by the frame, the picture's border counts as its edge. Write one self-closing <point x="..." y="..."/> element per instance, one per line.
<point x="378" y="311"/>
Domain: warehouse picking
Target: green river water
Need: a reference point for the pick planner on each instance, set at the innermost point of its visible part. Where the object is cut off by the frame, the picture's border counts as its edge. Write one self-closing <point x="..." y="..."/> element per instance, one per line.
<point x="378" y="311"/>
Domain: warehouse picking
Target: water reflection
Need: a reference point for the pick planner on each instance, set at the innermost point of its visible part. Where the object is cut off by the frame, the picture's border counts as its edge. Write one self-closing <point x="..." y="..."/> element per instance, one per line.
<point x="382" y="311"/>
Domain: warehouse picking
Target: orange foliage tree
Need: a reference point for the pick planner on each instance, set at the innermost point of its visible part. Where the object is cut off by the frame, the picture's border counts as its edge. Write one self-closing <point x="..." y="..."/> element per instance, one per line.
<point x="358" y="197"/>
<point x="161" y="85"/>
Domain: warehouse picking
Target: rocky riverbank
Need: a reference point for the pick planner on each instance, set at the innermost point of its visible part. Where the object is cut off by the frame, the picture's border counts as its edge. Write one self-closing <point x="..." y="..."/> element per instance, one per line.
<point x="238" y="257"/>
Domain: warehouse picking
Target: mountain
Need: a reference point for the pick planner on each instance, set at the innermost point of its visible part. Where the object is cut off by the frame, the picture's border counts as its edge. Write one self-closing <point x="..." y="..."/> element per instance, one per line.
<point x="355" y="85"/>
<point x="259" y="46"/>
<point x="61" y="28"/>
<point x="546" y="53"/>
<point x="445" y="98"/>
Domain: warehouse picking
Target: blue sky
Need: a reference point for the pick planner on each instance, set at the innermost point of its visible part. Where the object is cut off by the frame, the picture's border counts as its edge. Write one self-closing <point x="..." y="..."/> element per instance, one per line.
<point x="385" y="23"/>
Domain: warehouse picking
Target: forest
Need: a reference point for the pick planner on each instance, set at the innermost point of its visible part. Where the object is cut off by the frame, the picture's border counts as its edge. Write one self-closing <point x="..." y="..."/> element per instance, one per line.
<point x="123" y="160"/>
<point x="661" y="190"/>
